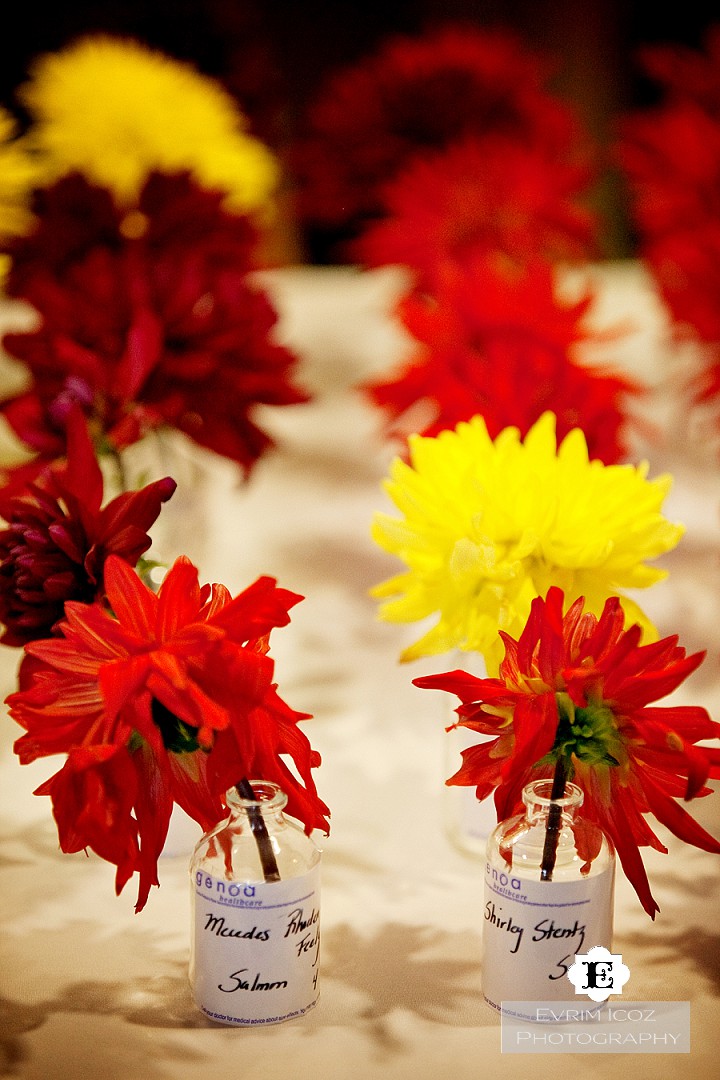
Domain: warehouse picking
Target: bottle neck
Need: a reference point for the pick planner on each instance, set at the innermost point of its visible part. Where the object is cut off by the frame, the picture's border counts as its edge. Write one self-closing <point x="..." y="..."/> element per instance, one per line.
<point x="538" y="801"/>
<point x="255" y="799"/>
<point x="261" y="803"/>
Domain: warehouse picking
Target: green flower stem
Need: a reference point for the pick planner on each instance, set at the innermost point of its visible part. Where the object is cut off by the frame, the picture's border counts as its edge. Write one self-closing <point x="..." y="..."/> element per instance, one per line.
<point x="554" y="821"/>
<point x="259" y="831"/>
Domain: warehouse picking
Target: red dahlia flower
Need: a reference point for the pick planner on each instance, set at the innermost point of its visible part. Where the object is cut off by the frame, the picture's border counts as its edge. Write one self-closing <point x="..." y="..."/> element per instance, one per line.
<point x="483" y="195"/>
<point x="580" y="688"/>
<point x="168" y="699"/>
<point x="671" y="157"/>
<point x="686" y="72"/>
<point x="502" y="345"/>
<point x="148" y="318"/>
<point x="416" y="96"/>
<point x="59" y="536"/>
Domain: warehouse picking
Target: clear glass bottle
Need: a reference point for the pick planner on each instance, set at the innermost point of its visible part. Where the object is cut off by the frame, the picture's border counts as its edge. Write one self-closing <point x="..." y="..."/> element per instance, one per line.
<point x="255" y="949"/>
<point x="535" y="924"/>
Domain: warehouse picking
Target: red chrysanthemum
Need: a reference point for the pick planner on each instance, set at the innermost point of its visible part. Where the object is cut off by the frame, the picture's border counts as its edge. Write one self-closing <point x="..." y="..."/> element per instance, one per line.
<point x="672" y="160"/>
<point x="416" y="96"/>
<point x="148" y="318"/>
<point x="59" y="536"/>
<point x="501" y="344"/>
<point x="671" y="157"/>
<point x="168" y="697"/>
<point x="482" y="195"/>
<point x="687" y="72"/>
<point x="580" y="688"/>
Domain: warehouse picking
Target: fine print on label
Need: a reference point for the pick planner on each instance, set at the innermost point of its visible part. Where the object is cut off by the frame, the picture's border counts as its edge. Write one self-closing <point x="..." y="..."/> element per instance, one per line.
<point x="532" y="931"/>
<point x="256" y="948"/>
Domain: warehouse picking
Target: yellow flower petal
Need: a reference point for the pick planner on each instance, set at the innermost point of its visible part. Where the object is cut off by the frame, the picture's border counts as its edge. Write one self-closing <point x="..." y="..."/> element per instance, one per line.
<point x="487" y="526"/>
<point x="18" y="173"/>
<point x="116" y="110"/>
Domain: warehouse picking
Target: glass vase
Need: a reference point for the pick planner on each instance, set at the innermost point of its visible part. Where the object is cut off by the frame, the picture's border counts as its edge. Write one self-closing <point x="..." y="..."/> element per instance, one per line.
<point x="543" y="906"/>
<point x="255" y="949"/>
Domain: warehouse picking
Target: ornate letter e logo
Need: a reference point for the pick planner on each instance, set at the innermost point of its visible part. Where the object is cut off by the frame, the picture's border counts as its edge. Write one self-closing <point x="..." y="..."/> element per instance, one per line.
<point x="598" y="973"/>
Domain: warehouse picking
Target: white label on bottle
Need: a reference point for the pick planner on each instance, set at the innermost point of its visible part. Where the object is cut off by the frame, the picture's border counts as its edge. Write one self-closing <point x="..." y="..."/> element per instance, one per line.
<point x="533" y="929"/>
<point x="256" y="948"/>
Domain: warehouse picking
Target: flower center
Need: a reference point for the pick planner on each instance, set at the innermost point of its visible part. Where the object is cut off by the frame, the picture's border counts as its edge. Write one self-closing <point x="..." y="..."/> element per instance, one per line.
<point x="588" y="733"/>
<point x="177" y="736"/>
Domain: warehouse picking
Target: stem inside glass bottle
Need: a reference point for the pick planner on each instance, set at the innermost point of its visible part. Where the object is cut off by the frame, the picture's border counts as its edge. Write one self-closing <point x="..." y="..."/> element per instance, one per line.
<point x="259" y="830"/>
<point x="554" y="821"/>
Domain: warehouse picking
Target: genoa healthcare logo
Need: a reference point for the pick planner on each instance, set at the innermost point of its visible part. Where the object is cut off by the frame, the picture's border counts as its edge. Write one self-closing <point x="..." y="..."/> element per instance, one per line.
<point x="598" y="973"/>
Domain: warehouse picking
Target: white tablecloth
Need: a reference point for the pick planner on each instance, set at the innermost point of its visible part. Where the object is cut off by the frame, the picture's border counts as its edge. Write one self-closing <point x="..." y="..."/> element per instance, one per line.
<point x="91" y="990"/>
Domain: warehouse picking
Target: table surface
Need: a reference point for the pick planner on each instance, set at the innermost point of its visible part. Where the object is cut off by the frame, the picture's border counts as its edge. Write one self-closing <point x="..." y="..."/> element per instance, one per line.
<point x="91" y="990"/>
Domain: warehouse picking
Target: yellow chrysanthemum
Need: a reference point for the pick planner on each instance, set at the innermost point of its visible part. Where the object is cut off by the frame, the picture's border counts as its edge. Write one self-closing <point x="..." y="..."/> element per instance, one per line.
<point x="487" y="526"/>
<point x="115" y="110"/>
<point x="17" y="176"/>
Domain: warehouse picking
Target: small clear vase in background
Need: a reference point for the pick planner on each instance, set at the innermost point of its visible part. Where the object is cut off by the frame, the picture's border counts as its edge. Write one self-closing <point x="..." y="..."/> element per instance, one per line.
<point x="187" y="521"/>
<point x="255" y="942"/>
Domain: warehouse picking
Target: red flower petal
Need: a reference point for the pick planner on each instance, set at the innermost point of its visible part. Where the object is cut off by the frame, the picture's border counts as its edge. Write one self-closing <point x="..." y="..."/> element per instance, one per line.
<point x="672" y="815"/>
<point x="153" y="806"/>
<point x="82" y="477"/>
<point x="629" y="854"/>
<point x="256" y="611"/>
<point x="134" y="604"/>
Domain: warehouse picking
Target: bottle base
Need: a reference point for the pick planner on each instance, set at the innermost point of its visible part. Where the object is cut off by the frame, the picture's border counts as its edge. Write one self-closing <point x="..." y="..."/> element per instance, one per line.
<point x="236" y="1021"/>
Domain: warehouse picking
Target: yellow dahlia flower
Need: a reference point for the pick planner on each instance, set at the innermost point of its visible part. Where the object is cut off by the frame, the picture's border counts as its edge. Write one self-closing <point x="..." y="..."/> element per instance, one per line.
<point x="17" y="176"/>
<point x="487" y="526"/>
<point x="115" y="110"/>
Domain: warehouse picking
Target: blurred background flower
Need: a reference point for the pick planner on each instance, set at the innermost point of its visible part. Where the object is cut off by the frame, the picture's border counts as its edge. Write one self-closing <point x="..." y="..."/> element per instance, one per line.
<point x="499" y="342"/>
<point x="670" y="154"/>
<point x="417" y="96"/>
<point x="115" y="111"/>
<point x="142" y="219"/>
<point x="277" y="59"/>
<point x="18" y="173"/>
<point x="490" y="194"/>
<point x="415" y="138"/>
<point x="148" y="318"/>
